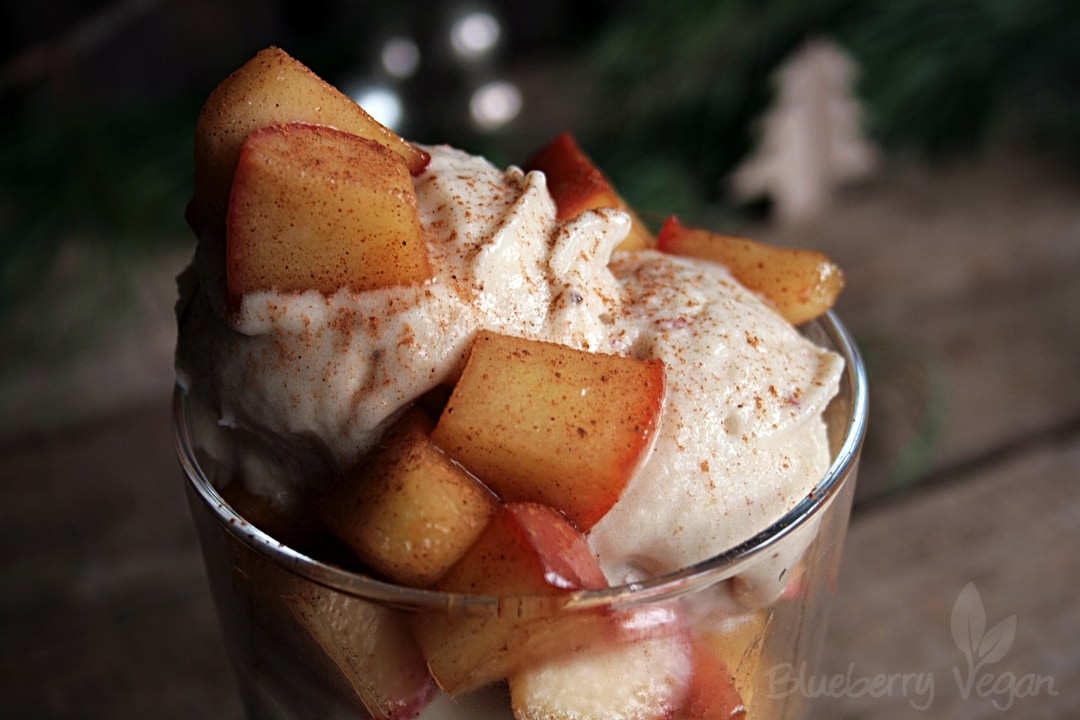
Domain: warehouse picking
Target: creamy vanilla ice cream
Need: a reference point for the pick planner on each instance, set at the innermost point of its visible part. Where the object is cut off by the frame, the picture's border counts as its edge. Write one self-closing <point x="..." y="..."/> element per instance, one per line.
<point x="312" y="380"/>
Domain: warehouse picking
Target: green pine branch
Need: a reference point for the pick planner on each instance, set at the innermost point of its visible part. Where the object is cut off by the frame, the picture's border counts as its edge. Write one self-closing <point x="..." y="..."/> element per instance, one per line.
<point x="116" y="177"/>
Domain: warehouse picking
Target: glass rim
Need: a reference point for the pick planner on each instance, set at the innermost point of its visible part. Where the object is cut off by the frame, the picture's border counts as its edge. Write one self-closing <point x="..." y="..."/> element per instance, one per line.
<point x="652" y="589"/>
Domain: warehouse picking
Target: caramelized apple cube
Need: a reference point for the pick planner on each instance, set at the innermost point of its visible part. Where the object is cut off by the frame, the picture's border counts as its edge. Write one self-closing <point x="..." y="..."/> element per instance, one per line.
<point x="532" y="559"/>
<point x="801" y="284"/>
<point x="646" y="678"/>
<point x="271" y="89"/>
<point x="712" y="694"/>
<point x="736" y="641"/>
<point x="372" y="647"/>
<point x="313" y="208"/>
<point x="547" y="423"/>
<point x="577" y="185"/>
<point x="525" y="549"/>
<point x="406" y="510"/>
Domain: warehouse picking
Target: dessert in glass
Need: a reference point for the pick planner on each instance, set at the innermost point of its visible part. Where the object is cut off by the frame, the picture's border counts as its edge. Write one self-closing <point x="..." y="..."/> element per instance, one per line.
<point x="471" y="442"/>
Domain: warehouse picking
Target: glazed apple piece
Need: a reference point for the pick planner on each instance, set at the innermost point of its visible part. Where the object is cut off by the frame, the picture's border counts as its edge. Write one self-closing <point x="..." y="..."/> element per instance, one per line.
<point x="655" y="668"/>
<point x="532" y="558"/>
<point x="313" y="208"/>
<point x="647" y="679"/>
<point x="525" y="549"/>
<point x="577" y="185"/>
<point x="271" y="89"/>
<point x="801" y="284"/>
<point x="546" y="423"/>
<point x="736" y="641"/>
<point x="406" y="510"/>
<point x="712" y="694"/>
<point x="373" y="648"/>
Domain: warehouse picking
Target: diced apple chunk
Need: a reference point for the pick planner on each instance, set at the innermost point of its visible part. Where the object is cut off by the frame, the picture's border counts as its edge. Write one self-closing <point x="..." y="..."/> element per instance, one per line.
<point x="271" y="89"/>
<point x="737" y="642"/>
<point x="373" y="648"/>
<point x="313" y="208"/>
<point x="577" y="185"/>
<point x="712" y="694"/>
<point x="532" y="558"/>
<point x="801" y="284"/>
<point x="643" y="679"/>
<point x="547" y="423"/>
<point x="525" y="549"/>
<point x="406" y="510"/>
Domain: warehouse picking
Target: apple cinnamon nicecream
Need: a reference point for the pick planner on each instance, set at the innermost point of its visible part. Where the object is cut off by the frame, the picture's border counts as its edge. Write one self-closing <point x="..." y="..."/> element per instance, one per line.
<point x="660" y="403"/>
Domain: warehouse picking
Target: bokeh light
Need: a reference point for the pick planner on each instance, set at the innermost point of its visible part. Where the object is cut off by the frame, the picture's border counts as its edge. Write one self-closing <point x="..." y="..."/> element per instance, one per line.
<point x="495" y="104"/>
<point x="400" y="57"/>
<point x="475" y="34"/>
<point x="381" y="103"/>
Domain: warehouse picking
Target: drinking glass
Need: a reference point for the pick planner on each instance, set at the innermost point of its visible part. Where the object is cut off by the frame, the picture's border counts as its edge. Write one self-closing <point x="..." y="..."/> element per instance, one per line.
<point x="308" y="638"/>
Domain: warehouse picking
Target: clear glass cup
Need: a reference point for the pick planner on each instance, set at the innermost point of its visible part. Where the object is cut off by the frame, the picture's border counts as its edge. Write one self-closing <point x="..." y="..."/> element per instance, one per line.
<point x="310" y="639"/>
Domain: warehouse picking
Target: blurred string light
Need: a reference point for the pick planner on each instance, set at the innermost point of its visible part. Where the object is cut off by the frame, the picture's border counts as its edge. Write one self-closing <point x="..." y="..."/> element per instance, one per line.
<point x="400" y="57"/>
<point x="474" y="34"/>
<point x="495" y="104"/>
<point x="381" y="103"/>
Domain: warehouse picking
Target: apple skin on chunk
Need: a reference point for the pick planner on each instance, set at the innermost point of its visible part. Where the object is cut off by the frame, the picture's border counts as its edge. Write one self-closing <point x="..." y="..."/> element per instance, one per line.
<point x="577" y="185"/>
<point x="313" y="208"/>
<point x="272" y="88"/>
<point x="532" y="559"/>
<point x="525" y="549"/>
<point x="712" y="694"/>
<point x="406" y="510"/>
<point x="547" y="423"/>
<point x="801" y="284"/>
<point x="735" y="642"/>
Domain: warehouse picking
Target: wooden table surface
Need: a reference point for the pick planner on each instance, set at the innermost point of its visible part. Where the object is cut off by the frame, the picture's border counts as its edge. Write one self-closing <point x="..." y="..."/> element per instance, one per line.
<point x="963" y="290"/>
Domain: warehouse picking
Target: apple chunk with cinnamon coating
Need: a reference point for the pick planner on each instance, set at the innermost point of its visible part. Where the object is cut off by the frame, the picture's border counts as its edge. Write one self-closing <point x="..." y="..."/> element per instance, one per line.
<point x="533" y="560"/>
<point x="406" y="510"/>
<point x="314" y="208"/>
<point x="547" y="423"/>
<point x="577" y="185"/>
<point x="801" y="284"/>
<point x="271" y="89"/>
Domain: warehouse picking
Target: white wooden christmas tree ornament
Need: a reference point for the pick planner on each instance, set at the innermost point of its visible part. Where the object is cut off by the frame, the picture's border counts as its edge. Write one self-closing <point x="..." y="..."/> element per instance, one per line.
<point x="811" y="137"/>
